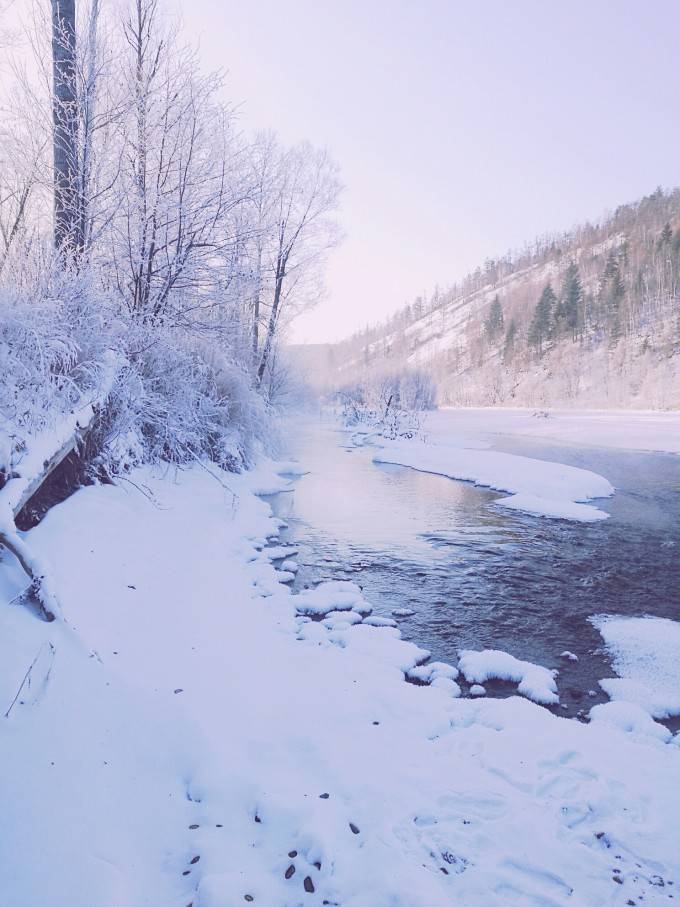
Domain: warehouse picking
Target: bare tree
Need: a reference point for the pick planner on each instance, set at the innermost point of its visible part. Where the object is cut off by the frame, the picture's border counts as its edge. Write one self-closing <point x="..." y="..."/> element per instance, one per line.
<point x="301" y="231"/>
<point x="178" y="179"/>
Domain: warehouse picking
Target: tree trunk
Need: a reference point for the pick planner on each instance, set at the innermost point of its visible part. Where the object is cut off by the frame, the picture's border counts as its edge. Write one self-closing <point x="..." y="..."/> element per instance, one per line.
<point x="67" y="238"/>
<point x="271" y="327"/>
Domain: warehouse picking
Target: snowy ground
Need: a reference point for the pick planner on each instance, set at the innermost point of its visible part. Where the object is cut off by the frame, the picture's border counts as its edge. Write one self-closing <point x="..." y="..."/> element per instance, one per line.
<point x="622" y="429"/>
<point x="197" y="735"/>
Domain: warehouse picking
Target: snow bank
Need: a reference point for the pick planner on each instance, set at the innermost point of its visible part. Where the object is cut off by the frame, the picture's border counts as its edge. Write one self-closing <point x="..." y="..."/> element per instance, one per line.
<point x="538" y="487"/>
<point x="534" y="682"/>
<point x="192" y="738"/>
<point x="645" y="653"/>
<point x="630" y="718"/>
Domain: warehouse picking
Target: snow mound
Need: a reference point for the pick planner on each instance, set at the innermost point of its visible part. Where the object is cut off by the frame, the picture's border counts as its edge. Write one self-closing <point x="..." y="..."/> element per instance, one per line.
<point x="280" y="552"/>
<point x="536" y="486"/>
<point x="477" y="690"/>
<point x="337" y="618"/>
<point x="534" y="681"/>
<point x="630" y="718"/>
<point x="376" y="621"/>
<point x="403" y="612"/>
<point x="645" y="653"/>
<point x="428" y="672"/>
<point x="290" y="566"/>
<point x="447" y="685"/>
<point x="335" y="595"/>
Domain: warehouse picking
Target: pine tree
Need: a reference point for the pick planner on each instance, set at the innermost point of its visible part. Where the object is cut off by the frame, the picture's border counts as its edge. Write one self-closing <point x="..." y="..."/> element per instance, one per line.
<point x="541" y="327"/>
<point x="612" y="292"/>
<point x="666" y="235"/>
<point x="571" y="302"/>
<point x="494" y="324"/>
<point x="509" y="345"/>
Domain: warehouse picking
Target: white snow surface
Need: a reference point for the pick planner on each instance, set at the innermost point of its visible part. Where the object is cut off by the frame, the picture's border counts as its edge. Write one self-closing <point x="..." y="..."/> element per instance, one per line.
<point x="533" y="681"/>
<point x="645" y="653"/>
<point x="630" y="718"/>
<point x="536" y="486"/>
<point x="648" y="430"/>
<point x="186" y="718"/>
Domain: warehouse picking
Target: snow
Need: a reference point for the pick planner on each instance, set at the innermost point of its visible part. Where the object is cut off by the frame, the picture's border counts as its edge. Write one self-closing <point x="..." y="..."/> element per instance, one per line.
<point x="334" y="595"/>
<point x="630" y="718"/>
<point x="291" y="744"/>
<point x="428" y="672"/>
<point x="538" y="487"/>
<point x="569" y="656"/>
<point x="534" y="681"/>
<point x="645" y="430"/>
<point x="645" y="653"/>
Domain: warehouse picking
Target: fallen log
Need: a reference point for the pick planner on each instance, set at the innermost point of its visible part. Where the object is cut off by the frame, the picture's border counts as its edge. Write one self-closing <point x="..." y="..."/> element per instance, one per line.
<point x="22" y="483"/>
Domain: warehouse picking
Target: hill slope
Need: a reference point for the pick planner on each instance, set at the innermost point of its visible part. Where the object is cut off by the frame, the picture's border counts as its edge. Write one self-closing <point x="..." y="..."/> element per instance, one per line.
<point x="588" y="317"/>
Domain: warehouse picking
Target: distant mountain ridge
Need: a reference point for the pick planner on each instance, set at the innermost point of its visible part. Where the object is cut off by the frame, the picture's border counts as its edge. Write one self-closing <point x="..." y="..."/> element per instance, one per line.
<point x="587" y="317"/>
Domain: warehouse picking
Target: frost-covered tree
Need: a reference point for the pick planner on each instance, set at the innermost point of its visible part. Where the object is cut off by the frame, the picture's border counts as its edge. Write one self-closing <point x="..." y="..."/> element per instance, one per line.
<point x="300" y="230"/>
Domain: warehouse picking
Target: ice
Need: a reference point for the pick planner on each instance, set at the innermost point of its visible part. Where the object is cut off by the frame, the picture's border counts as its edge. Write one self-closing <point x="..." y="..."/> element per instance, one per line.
<point x="477" y="690"/>
<point x="645" y="653"/>
<point x="403" y="612"/>
<point x="534" y="682"/>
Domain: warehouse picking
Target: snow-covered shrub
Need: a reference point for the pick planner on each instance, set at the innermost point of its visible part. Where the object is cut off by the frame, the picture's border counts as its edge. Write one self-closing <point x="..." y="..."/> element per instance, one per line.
<point x="174" y="395"/>
<point x="177" y="399"/>
<point x="390" y="404"/>
<point x="53" y="341"/>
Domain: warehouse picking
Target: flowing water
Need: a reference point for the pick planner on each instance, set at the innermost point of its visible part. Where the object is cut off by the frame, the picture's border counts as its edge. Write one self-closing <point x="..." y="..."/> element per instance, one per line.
<point x="478" y="576"/>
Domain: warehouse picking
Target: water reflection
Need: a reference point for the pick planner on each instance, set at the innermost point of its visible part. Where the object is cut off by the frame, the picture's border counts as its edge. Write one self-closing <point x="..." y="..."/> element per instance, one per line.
<point x="479" y="576"/>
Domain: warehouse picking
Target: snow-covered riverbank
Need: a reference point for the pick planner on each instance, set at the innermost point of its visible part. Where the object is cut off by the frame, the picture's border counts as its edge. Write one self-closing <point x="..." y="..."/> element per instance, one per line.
<point x="650" y="430"/>
<point x="192" y="736"/>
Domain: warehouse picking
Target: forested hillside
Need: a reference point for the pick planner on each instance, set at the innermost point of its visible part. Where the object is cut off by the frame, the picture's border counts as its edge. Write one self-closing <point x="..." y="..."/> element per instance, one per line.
<point x="590" y="316"/>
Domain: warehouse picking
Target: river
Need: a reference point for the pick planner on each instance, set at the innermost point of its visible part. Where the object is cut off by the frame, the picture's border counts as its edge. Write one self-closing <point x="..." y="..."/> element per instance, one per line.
<point x="477" y="576"/>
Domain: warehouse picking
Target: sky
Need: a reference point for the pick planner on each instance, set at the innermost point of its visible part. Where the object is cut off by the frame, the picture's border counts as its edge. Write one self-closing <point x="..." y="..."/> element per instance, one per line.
<point x="462" y="129"/>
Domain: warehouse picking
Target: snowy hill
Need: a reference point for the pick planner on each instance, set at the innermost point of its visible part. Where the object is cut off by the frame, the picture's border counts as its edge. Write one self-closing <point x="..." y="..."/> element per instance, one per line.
<point x="606" y="332"/>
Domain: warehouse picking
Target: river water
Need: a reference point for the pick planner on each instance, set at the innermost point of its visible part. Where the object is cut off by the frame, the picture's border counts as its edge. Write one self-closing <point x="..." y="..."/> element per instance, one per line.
<point x="478" y="576"/>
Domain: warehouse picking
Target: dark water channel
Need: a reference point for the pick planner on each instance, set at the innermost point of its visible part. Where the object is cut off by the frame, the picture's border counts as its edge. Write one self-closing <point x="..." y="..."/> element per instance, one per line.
<point x="477" y="576"/>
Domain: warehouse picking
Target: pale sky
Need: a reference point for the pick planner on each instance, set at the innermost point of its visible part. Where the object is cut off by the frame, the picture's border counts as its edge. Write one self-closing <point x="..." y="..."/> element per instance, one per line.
<point x="462" y="128"/>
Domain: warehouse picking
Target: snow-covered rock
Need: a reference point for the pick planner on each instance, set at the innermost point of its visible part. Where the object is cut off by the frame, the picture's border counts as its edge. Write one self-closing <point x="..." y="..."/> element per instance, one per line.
<point x="533" y="681"/>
